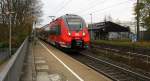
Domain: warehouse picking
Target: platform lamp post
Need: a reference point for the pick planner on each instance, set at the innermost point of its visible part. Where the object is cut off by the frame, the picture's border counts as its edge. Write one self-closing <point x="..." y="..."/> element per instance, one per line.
<point x="9" y="13"/>
<point x="91" y="26"/>
<point x="10" y="28"/>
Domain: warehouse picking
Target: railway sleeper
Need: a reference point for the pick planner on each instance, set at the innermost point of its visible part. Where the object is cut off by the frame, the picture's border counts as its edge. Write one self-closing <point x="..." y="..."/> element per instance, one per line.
<point x="110" y="71"/>
<point x="115" y="73"/>
<point x="121" y="78"/>
<point x="107" y="69"/>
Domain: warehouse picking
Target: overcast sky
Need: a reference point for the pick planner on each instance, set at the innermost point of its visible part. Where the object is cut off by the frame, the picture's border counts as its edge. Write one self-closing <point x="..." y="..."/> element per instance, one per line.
<point x="117" y="9"/>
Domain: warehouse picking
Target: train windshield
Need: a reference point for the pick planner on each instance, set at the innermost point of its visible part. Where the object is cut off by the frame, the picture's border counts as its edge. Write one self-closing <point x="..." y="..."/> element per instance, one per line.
<point x="75" y="24"/>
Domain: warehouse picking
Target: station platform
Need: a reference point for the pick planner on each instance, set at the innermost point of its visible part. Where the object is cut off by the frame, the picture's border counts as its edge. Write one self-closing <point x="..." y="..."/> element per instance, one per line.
<point x="47" y="63"/>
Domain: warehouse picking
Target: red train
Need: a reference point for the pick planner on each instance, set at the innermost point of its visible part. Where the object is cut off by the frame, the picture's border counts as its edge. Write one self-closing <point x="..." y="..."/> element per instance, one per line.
<point x="68" y="31"/>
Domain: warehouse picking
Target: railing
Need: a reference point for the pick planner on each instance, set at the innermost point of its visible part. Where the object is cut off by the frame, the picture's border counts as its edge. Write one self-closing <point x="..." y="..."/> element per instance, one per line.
<point x="12" y="70"/>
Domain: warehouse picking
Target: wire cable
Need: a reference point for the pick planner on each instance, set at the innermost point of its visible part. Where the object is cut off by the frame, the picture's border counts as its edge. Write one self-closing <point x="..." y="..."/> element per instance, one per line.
<point x="93" y="6"/>
<point x="111" y="6"/>
<point x="61" y="3"/>
<point x="69" y="1"/>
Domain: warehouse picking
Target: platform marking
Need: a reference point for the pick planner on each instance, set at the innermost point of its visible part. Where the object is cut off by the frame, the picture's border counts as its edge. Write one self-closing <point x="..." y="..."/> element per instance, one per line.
<point x="77" y="76"/>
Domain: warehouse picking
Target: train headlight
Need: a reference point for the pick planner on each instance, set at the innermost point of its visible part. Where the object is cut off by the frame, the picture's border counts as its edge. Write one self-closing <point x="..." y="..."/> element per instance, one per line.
<point x="69" y="33"/>
<point x="83" y="33"/>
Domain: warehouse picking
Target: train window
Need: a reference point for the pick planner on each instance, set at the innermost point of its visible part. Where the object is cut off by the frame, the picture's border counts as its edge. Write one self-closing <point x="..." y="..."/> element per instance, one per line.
<point x="75" y="24"/>
<point x="58" y="30"/>
<point x="52" y="30"/>
<point x="55" y="30"/>
<point x="46" y="29"/>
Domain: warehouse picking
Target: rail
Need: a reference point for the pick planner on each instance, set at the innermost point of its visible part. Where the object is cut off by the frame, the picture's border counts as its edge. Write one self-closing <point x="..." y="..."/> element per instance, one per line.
<point x="12" y="70"/>
<point x="140" y="75"/>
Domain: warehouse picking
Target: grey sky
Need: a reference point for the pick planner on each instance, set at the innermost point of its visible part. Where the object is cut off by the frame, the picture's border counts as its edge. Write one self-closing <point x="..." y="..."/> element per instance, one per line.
<point x="117" y="9"/>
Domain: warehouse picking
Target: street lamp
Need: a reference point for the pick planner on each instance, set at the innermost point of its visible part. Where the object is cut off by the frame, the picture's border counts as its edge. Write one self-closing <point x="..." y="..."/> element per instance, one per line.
<point x="10" y="25"/>
<point x="9" y="13"/>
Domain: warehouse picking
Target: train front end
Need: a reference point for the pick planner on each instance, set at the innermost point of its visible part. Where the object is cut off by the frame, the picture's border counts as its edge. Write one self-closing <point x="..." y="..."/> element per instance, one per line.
<point x="77" y="35"/>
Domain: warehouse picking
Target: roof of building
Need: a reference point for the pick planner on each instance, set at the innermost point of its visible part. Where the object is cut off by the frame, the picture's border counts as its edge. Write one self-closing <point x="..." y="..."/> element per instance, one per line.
<point x="109" y="26"/>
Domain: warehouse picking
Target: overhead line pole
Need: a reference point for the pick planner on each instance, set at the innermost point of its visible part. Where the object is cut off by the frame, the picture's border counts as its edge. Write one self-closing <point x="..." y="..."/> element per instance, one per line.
<point x="138" y="14"/>
<point x="91" y="26"/>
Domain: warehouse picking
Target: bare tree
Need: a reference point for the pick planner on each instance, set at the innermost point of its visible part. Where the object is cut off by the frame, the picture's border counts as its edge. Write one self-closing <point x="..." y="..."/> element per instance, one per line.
<point x="25" y="12"/>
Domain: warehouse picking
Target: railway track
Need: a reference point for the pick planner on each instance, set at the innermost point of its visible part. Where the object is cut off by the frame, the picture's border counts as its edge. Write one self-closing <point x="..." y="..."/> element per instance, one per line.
<point x="143" y="53"/>
<point x="112" y="71"/>
<point x="130" y="58"/>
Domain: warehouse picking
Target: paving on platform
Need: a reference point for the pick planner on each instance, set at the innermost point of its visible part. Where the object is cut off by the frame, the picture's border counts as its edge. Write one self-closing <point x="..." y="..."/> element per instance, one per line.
<point x="28" y="72"/>
<point x="42" y="68"/>
<point x="61" y="67"/>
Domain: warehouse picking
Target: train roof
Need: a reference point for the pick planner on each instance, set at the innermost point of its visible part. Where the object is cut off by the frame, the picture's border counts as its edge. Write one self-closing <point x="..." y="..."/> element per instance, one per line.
<point x="70" y="16"/>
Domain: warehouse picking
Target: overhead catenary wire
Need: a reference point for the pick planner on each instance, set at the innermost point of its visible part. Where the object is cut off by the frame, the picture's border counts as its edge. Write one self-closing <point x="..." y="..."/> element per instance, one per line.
<point x="93" y="6"/>
<point x="111" y="6"/>
<point x="61" y="3"/>
<point x="103" y="10"/>
<point x="68" y="2"/>
<point x="87" y="4"/>
<point x="102" y="17"/>
<point x="60" y="9"/>
<point x="93" y="12"/>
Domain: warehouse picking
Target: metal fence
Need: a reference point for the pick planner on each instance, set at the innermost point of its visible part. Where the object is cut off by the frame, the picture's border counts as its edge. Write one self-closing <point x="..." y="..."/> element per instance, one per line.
<point x="4" y="54"/>
<point x="12" y="70"/>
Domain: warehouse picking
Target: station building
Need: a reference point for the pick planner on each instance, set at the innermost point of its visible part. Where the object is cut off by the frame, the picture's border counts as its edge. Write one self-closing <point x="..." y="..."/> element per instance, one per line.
<point x="108" y="31"/>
